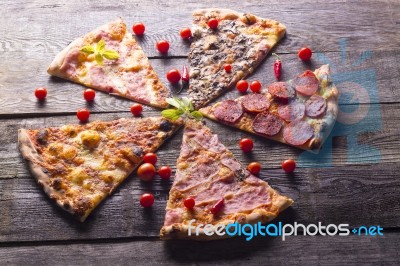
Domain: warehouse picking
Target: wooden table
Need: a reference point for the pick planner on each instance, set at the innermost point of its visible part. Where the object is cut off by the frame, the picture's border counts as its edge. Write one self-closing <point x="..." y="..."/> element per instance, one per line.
<point x="355" y="180"/>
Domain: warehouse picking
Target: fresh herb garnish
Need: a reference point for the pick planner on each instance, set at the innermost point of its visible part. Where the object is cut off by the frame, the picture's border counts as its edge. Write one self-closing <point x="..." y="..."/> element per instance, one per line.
<point x="184" y="107"/>
<point x="100" y="52"/>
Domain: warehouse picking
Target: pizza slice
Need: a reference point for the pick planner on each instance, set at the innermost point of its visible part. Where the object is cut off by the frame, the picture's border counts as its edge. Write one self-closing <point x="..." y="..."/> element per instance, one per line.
<point x="78" y="166"/>
<point x="239" y="42"/>
<point x="110" y="60"/>
<point x="300" y="112"/>
<point x="222" y="190"/>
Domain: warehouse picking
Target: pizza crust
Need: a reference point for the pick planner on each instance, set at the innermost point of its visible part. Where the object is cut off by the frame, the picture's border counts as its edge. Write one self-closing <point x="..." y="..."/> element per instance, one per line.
<point x="278" y="204"/>
<point x="31" y="155"/>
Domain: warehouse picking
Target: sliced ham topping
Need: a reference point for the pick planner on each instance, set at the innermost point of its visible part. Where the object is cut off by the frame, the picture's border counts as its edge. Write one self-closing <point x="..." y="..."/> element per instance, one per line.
<point x="216" y="191"/>
<point x="195" y="176"/>
<point x="70" y="63"/>
<point x="229" y="111"/>
<point x="306" y="84"/>
<point x="173" y="217"/>
<point x="255" y="103"/>
<point x="281" y="91"/>
<point x="315" y="106"/>
<point x="297" y="132"/>
<point x="267" y="124"/>
<point x="292" y="111"/>
<point x="100" y="80"/>
<point x="136" y="86"/>
<point x="247" y="199"/>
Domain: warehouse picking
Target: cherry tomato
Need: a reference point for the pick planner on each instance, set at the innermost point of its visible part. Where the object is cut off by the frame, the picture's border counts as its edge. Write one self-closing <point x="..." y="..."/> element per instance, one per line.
<point x="185" y="33"/>
<point x="147" y="200"/>
<point x="255" y="86"/>
<point x="217" y="207"/>
<point x="254" y="168"/>
<point x="189" y="203"/>
<point x="289" y="165"/>
<point x="138" y="28"/>
<point x="242" y="86"/>
<point x="305" y="54"/>
<point x="89" y="95"/>
<point x="173" y="75"/>
<point x="136" y="109"/>
<point x="228" y="68"/>
<point x="41" y="93"/>
<point x="146" y="172"/>
<point x="212" y="23"/>
<point x="246" y="145"/>
<point x="150" y="158"/>
<point x="83" y="114"/>
<point x="164" y="172"/>
<point x="163" y="46"/>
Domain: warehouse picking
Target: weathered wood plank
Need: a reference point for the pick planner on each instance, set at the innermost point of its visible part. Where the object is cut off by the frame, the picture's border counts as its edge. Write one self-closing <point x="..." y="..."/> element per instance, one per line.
<point x="298" y="250"/>
<point x="374" y="80"/>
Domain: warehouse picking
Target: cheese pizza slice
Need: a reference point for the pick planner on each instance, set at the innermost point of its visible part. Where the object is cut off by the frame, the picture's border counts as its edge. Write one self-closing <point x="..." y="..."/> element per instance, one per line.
<point x="221" y="190"/>
<point x="110" y="60"/>
<point x="78" y="166"/>
<point x="300" y="112"/>
<point x="226" y="47"/>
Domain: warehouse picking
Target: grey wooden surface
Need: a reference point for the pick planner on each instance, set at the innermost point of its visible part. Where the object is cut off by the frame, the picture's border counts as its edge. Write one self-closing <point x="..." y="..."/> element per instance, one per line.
<point x="358" y="187"/>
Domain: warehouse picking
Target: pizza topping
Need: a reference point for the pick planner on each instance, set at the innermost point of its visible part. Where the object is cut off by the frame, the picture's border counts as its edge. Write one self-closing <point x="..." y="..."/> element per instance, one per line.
<point x="289" y="165"/>
<point x="228" y="68"/>
<point x="185" y="33"/>
<point x="306" y="83"/>
<point x="173" y="76"/>
<point x="90" y="138"/>
<point x="229" y="111"/>
<point x="163" y="46"/>
<point x="146" y="172"/>
<point x="277" y="67"/>
<point x="83" y="114"/>
<point x="305" y="54"/>
<point x="138" y="28"/>
<point x="246" y="145"/>
<point x="185" y="74"/>
<point x="255" y="86"/>
<point x="242" y="86"/>
<point x="217" y="207"/>
<point x="165" y="125"/>
<point x="255" y="103"/>
<point x="136" y="109"/>
<point x="89" y="95"/>
<point x="189" y="203"/>
<point x="315" y="106"/>
<point x="164" y="172"/>
<point x="212" y="23"/>
<point x="100" y="52"/>
<point x="42" y="136"/>
<point x="297" y="132"/>
<point x="292" y="111"/>
<point x="40" y="93"/>
<point x="147" y="200"/>
<point x="254" y="168"/>
<point x="248" y="198"/>
<point x="280" y="91"/>
<point x="267" y="124"/>
<point x="150" y="158"/>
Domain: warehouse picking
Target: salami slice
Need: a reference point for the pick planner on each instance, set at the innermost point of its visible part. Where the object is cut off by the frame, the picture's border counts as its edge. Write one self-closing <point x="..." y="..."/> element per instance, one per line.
<point x="306" y="84"/>
<point x="315" y="106"/>
<point x="267" y="124"/>
<point x="292" y="111"/>
<point x="297" y="132"/>
<point x="229" y="111"/>
<point x="255" y="103"/>
<point x="280" y="91"/>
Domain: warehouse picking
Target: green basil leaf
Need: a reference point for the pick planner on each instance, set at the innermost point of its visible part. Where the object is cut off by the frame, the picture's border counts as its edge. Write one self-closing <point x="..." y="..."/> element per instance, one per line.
<point x="111" y="54"/>
<point x="87" y="49"/>
<point x="196" y="115"/>
<point x="174" y="102"/>
<point x="172" y="114"/>
<point x="99" y="59"/>
<point x="100" y="46"/>
<point x="187" y="103"/>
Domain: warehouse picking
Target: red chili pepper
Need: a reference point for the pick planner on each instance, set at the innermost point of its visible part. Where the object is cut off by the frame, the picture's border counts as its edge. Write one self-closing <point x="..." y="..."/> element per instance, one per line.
<point x="277" y="67"/>
<point x="217" y="207"/>
<point x="185" y="74"/>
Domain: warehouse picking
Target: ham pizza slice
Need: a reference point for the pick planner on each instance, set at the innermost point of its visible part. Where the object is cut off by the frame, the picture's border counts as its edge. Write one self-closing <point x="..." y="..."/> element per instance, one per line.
<point x="212" y="187"/>
<point x="110" y="60"/>
<point x="300" y="112"/>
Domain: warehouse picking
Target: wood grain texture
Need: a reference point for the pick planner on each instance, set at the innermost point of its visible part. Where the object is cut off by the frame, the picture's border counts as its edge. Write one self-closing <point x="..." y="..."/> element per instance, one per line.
<point x="300" y="250"/>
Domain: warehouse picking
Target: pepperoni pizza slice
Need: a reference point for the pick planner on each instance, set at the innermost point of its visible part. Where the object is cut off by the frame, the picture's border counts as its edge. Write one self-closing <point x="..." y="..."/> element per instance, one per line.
<point x="110" y="60"/>
<point x="226" y="47"/>
<point x="300" y="112"/>
<point x="78" y="166"/>
<point x="221" y="190"/>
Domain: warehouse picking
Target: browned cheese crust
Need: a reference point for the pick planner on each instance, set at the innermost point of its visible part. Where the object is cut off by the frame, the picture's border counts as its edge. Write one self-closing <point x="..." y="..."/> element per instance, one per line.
<point x="242" y="40"/>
